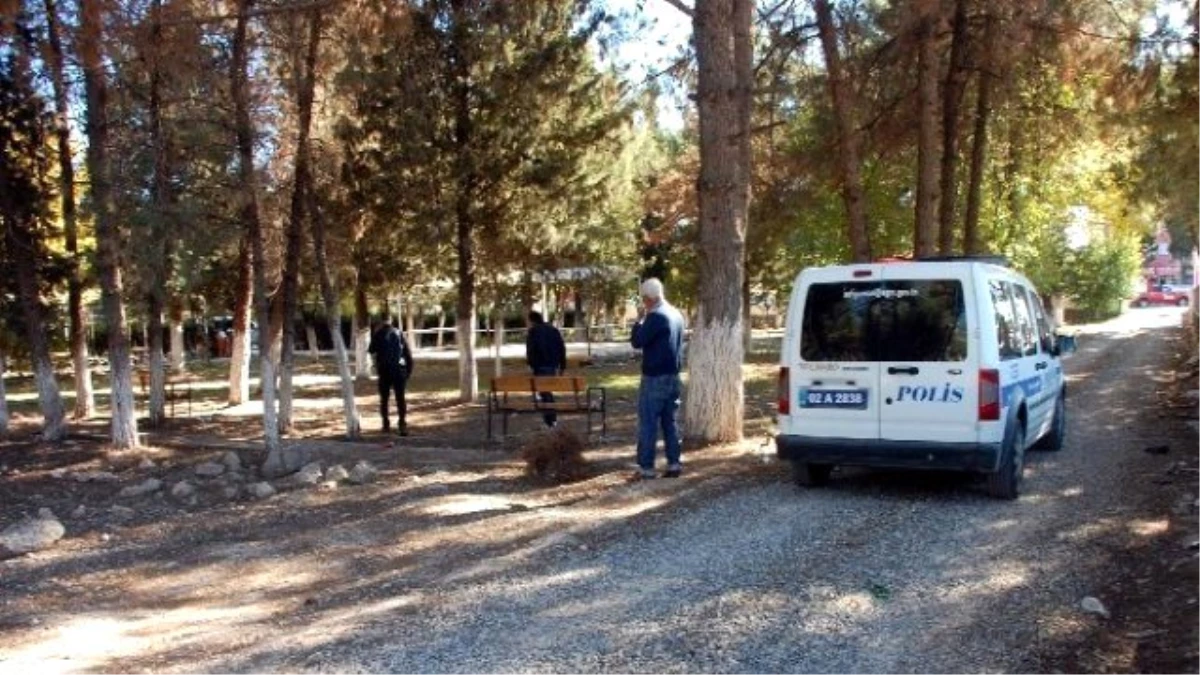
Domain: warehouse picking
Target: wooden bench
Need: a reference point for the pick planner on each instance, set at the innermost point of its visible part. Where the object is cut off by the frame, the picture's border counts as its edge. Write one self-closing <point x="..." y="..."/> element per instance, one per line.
<point x="178" y="388"/>
<point x="520" y="394"/>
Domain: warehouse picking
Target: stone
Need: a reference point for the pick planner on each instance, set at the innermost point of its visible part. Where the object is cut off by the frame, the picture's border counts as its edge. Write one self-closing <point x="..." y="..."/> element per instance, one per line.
<point x="327" y="486"/>
<point x="210" y="469"/>
<point x="183" y="490"/>
<point x="95" y="477"/>
<point x="145" y="487"/>
<point x="232" y="461"/>
<point x="362" y="473"/>
<point x="232" y="491"/>
<point x="337" y="473"/>
<point x="146" y="463"/>
<point x="79" y="512"/>
<point x="233" y="477"/>
<point x="1094" y="606"/>
<point x="121" y="512"/>
<point x="31" y="534"/>
<point x="309" y="474"/>
<point x="261" y="490"/>
<point x="58" y="473"/>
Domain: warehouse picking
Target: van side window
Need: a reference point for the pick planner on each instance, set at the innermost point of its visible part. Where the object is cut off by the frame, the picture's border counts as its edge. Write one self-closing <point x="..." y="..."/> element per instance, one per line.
<point x="1007" y="335"/>
<point x="1026" y="329"/>
<point x="1045" y="333"/>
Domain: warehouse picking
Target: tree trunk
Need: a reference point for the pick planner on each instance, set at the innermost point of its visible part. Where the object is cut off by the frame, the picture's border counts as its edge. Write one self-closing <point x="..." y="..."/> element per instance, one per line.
<point x="983" y="109"/>
<point x="956" y="83"/>
<point x="3" y="401"/>
<point x="108" y="238"/>
<point x="714" y="405"/>
<point x="239" y="362"/>
<point x="362" y="331"/>
<point x="85" y="400"/>
<point x="498" y="340"/>
<point x="178" y="348"/>
<point x="317" y="224"/>
<point x="849" y="161"/>
<point x="747" y="318"/>
<point x="441" y="336"/>
<point x="276" y="463"/>
<point x="925" y="236"/>
<point x="467" y="180"/>
<point x="154" y="352"/>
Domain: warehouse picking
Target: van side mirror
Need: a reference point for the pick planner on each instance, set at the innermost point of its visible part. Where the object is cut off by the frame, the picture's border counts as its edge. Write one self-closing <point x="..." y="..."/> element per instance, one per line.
<point x="1064" y="344"/>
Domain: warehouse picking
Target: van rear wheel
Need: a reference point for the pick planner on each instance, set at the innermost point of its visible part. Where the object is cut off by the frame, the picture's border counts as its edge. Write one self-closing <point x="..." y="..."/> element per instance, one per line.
<point x="1006" y="482"/>
<point x="811" y="475"/>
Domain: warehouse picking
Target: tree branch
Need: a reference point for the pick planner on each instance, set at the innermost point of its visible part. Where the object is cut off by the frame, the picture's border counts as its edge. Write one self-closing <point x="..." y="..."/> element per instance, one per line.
<point x="678" y="4"/>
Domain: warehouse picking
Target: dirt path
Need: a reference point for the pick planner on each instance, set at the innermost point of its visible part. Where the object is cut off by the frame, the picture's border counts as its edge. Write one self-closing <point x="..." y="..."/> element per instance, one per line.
<point x="453" y="561"/>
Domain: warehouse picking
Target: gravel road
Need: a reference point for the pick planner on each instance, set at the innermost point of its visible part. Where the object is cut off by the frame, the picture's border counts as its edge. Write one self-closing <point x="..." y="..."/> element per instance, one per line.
<point x="878" y="572"/>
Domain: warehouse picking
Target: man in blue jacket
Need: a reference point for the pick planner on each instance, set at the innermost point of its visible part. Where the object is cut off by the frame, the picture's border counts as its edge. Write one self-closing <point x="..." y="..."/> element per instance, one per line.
<point x="546" y="354"/>
<point x="659" y="334"/>
<point x="393" y="365"/>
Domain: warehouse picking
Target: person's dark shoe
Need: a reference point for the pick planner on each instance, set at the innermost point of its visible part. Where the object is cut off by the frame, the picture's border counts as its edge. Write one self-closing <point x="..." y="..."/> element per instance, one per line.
<point x="673" y="472"/>
<point x="404" y="431"/>
<point x="387" y="429"/>
<point x="642" y="474"/>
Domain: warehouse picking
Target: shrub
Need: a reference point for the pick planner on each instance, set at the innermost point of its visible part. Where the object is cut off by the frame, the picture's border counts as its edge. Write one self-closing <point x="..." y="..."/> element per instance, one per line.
<point x="555" y="455"/>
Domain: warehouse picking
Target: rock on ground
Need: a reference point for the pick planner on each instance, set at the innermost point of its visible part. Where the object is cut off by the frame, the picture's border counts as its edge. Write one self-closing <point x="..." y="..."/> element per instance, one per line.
<point x="145" y="487"/>
<point x="309" y="474"/>
<point x="121" y="512"/>
<point x="261" y="490"/>
<point x="95" y="477"/>
<point x="362" y="473"/>
<point x="183" y="490"/>
<point x="210" y="469"/>
<point x="337" y="473"/>
<point x="232" y="461"/>
<point x="32" y="534"/>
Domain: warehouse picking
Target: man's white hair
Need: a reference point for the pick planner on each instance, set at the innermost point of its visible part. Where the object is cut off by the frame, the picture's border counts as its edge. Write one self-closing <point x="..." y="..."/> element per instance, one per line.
<point x="652" y="288"/>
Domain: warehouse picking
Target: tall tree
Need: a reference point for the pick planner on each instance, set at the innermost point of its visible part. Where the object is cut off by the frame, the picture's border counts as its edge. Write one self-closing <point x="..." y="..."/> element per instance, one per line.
<point x="277" y="462"/>
<point x="925" y="236"/>
<point x="85" y="400"/>
<point x="952" y="95"/>
<point x="24" y="193"/>
<point x="724" y="54"/>
<point x="849" y="159"/>
<point x="108" y="235"/>
<point x="239" y="361"/>
<point x="972" y="244"/>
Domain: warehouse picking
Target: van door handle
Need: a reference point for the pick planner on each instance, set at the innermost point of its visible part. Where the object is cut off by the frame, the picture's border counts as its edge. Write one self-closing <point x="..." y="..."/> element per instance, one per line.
<point x="1042" y="365"/>
<point x="906" y="370"/>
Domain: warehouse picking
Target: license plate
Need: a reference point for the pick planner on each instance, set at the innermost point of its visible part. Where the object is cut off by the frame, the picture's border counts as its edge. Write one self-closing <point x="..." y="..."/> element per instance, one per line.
<point x="851" y="399"/>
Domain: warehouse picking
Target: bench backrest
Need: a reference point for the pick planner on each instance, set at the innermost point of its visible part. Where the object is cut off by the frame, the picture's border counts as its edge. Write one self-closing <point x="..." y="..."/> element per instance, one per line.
<point x="528" y="384"/>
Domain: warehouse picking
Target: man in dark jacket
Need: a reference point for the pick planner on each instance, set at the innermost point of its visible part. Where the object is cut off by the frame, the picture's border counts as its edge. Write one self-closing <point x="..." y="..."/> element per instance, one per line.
<point x="659" y="334"/>
<point x="546" y="354"/>
<point x="393" y="366"/>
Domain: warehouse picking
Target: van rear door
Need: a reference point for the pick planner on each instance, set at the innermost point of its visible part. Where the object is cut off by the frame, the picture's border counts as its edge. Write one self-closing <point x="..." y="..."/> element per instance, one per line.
<point x="928" y="373"/>
<point x="834" y="383"/>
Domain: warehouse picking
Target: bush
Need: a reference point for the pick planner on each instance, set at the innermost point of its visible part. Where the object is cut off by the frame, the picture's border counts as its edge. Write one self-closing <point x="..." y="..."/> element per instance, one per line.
<point x="555" y="455"/>
<point x="1099" y="277"/>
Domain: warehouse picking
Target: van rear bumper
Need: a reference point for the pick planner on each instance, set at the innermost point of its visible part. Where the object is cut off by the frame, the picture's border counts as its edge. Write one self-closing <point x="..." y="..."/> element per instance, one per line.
<point x="981" y="457"/>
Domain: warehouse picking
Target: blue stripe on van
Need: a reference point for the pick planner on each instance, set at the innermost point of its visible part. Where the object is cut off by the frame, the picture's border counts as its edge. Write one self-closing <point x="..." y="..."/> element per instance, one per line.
<point x="1030" y="385"/>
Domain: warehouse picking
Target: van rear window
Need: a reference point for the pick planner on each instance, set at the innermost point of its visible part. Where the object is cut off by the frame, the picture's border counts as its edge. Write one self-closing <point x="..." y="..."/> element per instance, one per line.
<point x="906" y="320"/>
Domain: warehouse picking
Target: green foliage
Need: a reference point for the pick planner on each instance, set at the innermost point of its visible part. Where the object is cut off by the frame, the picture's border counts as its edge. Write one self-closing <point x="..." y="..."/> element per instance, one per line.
<point x="1099" y="276"/>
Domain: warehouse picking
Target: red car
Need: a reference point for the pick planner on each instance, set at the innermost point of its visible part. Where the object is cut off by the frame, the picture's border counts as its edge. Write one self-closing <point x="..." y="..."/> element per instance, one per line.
<point x="1161" y="296"/>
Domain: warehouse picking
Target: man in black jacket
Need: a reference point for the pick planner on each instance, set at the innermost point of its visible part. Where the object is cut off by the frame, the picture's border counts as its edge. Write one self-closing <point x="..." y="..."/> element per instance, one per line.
<point x="393" y="366"/>
<point x="546" y="354"/>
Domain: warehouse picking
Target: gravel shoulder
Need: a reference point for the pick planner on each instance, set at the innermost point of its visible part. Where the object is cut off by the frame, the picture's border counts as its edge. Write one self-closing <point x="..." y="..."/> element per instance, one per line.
<point x="457" y="562"/>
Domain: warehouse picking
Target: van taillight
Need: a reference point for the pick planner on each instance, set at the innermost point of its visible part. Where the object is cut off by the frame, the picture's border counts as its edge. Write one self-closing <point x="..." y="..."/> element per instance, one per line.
<point x="784" y="393"/>
<point x="989" y="395"/>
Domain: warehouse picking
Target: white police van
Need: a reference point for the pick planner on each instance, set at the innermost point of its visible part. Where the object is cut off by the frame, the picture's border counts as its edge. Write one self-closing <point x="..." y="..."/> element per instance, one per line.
<point x="944" y="363"/>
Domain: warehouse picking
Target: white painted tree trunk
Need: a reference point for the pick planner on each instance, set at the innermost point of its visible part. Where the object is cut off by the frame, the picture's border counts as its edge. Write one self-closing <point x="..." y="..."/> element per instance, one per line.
<point x="310" y="334"/>
<point x="441" y="337"/>
<point x="362" y="364"/>
<point x="468" y="375"/>
<point x="3" y="402"/>
<point x="239" y="368"/>
<point x="498" y="342"/>
<point x="713" y="404"/>
<point x="178" y="353"/>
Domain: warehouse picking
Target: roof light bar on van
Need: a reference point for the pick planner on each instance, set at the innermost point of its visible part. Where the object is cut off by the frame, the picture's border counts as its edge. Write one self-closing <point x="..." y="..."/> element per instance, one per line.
<point x="989" y="395"/>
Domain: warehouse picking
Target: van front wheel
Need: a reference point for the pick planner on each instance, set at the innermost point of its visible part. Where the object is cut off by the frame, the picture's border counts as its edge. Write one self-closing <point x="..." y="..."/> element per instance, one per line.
<point x="1006" y="482"/>
<point x="811" y="475"/>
